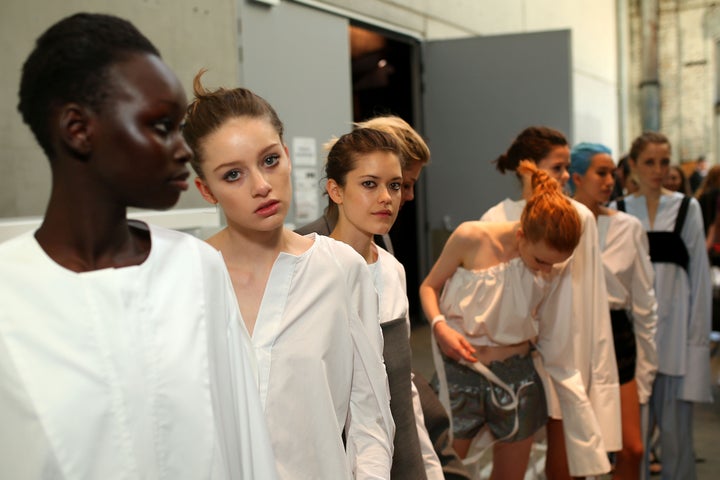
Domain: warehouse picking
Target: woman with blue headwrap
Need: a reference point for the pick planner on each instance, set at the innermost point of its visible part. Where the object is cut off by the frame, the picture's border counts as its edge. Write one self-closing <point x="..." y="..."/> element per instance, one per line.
<point x="629" y="278"/>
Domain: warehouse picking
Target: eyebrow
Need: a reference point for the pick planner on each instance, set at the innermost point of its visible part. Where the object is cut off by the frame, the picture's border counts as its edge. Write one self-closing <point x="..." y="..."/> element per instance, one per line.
<point x="235" y="162"/>
<point x="375" y="177"/>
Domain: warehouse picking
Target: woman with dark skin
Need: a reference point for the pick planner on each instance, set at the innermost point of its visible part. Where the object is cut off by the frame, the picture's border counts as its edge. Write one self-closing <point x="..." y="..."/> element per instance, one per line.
<point x="112" y="329"/>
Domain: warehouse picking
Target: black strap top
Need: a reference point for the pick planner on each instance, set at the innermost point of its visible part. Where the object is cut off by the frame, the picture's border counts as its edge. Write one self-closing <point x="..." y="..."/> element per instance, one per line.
<point x="668" y="247"/>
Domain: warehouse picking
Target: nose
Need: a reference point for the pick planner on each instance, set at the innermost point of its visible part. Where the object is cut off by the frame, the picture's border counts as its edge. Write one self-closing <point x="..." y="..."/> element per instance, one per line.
<point x="260" y="186"/>
<point x="564" y="177"/>
<point x="385" y="196"/>
<point x="183" y="153"/>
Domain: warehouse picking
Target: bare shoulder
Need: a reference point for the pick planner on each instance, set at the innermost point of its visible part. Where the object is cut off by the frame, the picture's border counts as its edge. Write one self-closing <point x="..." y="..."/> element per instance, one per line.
<point x="298" y="244"/>
<point x="472" y="232"/>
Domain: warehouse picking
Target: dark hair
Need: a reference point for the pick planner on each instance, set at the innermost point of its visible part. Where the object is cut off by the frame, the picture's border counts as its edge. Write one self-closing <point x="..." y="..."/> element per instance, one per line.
<point x="643" y="140"/>
<point x="344" y="153"/>
<point x="533" y="143"/>
<point x="211" y="109"/>
<point x="548" y="215"/>
<point x="70" y="63"/>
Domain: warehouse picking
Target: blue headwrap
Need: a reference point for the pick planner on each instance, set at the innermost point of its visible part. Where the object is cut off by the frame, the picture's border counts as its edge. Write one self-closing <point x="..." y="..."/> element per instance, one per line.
<point x="580" y="157"/>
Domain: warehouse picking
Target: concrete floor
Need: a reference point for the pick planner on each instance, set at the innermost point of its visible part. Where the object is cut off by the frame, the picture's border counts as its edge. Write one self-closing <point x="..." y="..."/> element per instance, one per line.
<point x="706" y="418"/>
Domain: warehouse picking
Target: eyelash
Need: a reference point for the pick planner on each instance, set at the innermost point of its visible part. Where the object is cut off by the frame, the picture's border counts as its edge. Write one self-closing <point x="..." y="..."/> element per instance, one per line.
<point x="163" y="127"/>
<point x="275" y="160"/>
<point x="232" y="173"/>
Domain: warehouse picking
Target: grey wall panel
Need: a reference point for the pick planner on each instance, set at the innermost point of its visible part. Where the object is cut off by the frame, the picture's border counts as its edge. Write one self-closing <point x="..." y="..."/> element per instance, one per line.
<point x="479" y="94"/>
<point x="298" y="58"/>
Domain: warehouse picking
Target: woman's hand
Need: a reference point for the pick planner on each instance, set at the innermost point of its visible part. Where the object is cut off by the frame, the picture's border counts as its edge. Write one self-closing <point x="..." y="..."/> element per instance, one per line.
<point x="453" y="344"/>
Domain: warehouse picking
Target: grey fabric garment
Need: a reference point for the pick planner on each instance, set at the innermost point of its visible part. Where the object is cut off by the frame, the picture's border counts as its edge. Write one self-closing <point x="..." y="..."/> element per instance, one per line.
<point x="407" y="457"/>
<point x="437" y="424"/>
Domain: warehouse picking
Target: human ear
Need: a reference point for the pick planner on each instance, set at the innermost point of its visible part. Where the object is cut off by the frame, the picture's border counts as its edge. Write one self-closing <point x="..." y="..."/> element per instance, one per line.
<point x="76" y="128"/>
<point x="205" y="191"/>
<point x="577" y="179"/>
<point x="334" y="191"/>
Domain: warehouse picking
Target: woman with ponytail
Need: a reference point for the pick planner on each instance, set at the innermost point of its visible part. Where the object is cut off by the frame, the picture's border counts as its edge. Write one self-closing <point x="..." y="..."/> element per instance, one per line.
<point x="308" y="302"/>
<point x="497" y="280"/>
<point x="592" y="346"/>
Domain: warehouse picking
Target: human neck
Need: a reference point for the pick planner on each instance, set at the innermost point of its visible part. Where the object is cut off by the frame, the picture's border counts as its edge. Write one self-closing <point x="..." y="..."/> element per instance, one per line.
<point x="82" y="232"/>
<point x="250" y="247"/>
<point x="593" y="205"/>
<point x="361" y="242"/>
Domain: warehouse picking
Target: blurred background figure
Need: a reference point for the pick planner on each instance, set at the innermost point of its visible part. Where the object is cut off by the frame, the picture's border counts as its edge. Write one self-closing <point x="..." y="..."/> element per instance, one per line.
<point x="698" y="174"/>
<point x="624" y="182"/>
<point x="676" y="181"/>
<point x="707" y="196"/>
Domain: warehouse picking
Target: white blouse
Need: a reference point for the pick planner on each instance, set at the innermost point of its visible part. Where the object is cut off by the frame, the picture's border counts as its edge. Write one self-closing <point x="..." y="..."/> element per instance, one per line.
<point x="629" y="278"/>
<point x="684" y="298"/>
<point x="476" y="304"/>
<point x="318" y="343"/>
<point x="137" y="372"/>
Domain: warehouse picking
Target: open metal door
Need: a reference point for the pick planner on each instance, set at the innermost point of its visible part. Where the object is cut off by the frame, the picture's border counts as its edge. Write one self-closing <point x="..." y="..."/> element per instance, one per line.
<point x="479" y="93"/>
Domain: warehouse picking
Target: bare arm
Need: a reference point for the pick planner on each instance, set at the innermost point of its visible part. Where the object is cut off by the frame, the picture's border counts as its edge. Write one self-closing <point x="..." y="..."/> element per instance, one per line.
<point x="461" y="242"/>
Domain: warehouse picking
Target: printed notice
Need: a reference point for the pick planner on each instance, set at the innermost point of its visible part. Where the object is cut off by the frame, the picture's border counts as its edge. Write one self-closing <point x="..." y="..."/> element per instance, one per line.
<point x="307" y="190"/>
<point x="304" y="152"/>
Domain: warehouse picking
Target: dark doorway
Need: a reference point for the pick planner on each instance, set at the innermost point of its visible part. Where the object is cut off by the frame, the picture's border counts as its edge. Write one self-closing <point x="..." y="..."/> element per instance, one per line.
<point x="383" y="76"/>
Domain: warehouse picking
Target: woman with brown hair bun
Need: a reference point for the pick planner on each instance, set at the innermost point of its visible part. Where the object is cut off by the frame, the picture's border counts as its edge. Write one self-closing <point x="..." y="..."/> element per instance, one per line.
<point x="307" y="301"/>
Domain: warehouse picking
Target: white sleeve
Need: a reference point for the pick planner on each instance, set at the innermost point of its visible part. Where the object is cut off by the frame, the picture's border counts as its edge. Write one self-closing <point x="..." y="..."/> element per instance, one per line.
<point x="696" y="384"/>
<point x="584" y="443"/>
<point x="644" y="313"/>
<point x="591" y="316"/>
<point x="433" y="468"/>
<point x="370" y="428"/>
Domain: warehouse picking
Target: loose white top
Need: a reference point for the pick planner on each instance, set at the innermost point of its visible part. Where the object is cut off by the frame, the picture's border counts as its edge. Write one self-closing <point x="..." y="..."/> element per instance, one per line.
<point x="593" y="345"/>
<point x="684" y="298"/>
<point x="126" y="373"/>
<point x="629" y="278"/>
<point x="508" y="304"/>
<point x="319" y="348"/>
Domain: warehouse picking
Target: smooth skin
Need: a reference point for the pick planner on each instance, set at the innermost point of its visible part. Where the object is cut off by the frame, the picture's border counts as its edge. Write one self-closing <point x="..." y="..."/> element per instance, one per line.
<point x="247" y="169"/>
<point x="130" y="153"/>
<point x="369" y="201"/>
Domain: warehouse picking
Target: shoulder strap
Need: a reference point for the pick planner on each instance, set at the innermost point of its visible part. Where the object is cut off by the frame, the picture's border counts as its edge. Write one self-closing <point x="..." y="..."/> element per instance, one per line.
<point x="682" y="213"/>
<point x="620" y="204"/>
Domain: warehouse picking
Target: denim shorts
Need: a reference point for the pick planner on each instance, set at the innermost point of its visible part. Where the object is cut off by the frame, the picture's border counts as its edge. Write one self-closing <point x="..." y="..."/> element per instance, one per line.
<point x="473" y="408"/>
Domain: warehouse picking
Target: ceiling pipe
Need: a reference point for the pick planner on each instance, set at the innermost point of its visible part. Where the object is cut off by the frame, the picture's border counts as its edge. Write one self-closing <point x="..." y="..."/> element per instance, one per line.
<point x="650" y="82"/>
